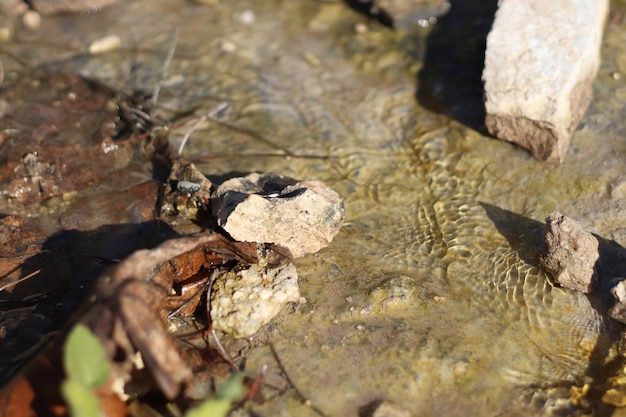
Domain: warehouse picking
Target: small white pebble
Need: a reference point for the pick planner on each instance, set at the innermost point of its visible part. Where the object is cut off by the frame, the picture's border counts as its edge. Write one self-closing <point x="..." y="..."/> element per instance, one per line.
<point x="31" y="20"/>
<point x="228" y="46"/>
<point x="247" y="17"/>
<point x="360" y="28"/>
<point x="105" y="44"/>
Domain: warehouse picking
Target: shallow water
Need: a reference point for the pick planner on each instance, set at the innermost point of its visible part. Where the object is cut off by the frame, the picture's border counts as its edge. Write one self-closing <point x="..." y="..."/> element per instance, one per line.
<point x="430" y="296"/>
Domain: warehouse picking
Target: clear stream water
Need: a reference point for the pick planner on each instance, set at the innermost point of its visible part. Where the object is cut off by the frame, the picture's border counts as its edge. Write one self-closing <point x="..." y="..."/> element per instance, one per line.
<point x="429" y="297"/>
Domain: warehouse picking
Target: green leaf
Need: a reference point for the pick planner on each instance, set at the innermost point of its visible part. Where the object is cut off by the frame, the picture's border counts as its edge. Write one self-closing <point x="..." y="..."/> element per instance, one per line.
<point x="81" y="400"/>
<point x="232" y="389"/>
<point x="221" y="402"/>
<point x="85" y="360"/>
<point x="210" y="408"/>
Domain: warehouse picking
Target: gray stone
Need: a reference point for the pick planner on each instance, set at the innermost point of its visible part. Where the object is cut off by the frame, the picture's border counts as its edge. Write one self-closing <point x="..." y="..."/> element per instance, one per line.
<point x="541" y="59"/>
<point x="244" y="301"/>
<point x="571" y="253"/>
<point x="299" y="218"/>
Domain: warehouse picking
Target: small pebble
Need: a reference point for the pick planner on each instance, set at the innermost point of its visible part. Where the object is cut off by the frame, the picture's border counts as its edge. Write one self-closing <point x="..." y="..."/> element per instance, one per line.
<point x="187" y="187"/>
<point x="228" y="46"/>
<point x="360" y="28"/>
<point x="105" y="44"/>
<point x="247" y="17"/>
<point x="31" y="20"/>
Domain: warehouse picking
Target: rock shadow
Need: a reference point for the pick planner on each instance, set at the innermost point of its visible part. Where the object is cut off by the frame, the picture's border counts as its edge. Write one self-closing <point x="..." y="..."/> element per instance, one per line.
<point x="526" y="236"/>
<point x="450" y="82"/>
<point x="69" y="263"/>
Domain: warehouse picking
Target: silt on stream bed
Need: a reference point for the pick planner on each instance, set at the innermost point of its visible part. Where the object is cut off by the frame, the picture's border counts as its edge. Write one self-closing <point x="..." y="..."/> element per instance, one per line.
<point x="430" y="297"/>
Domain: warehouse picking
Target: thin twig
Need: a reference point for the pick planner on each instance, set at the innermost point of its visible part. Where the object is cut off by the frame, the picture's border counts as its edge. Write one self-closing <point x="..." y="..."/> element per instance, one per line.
<point x="255" y="387"/>
<point x="166" y="65"/>
<point x="290" y="382"/>
<point x="209" y="115"/>
<point x="223" y="352"/>
<point x="220" y="348"/>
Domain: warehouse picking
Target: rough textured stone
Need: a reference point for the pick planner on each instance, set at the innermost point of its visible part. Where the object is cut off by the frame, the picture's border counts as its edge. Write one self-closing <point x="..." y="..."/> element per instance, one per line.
<point x="244" y="301"/>
<point x="299" y="218"/>
<point x="571" y="253"/>
<point x="541" y="59"/>
<point x="618" y="311"/>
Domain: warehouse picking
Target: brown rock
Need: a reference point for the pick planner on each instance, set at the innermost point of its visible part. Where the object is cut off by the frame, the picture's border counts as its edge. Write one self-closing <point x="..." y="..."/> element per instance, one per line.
<point x="571" y="253"/>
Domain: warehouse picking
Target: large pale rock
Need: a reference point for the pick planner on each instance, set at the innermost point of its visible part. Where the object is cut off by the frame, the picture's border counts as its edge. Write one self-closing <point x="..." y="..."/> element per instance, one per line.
<point x="541" y="59"/>
<point x="298" y="218"/>
<point x="571" y="253"/>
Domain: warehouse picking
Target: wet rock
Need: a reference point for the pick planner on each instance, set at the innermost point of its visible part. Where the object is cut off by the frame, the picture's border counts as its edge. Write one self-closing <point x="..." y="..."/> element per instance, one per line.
<point x="571" y="253"/>
<point x="59" y="135"/>
<point x="540" y="62"/>
<point x="134" y="204"/>
<point x="242" y="302"/>
<point x="299" y="218"/>
<point x="397" y="292"/>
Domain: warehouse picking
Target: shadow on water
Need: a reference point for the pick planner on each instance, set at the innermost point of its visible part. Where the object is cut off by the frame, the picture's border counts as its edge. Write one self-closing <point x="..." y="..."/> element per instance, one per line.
<point x="526" y="237"/>
<point x="69" y="264"/>
<point x="450" y="81"/>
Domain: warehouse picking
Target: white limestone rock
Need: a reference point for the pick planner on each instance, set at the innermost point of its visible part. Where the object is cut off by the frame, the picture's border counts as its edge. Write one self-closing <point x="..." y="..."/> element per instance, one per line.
<point x="541" y="59"/>
<point x="298" y="218"/>
<point x="244" y="301"/>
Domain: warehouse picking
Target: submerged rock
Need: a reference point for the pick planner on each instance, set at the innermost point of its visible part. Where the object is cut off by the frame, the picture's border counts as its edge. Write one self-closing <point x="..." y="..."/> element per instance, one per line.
<point x="540" y="62"/>
<point x="571" y="253"/>
<point x="299" y="218"/>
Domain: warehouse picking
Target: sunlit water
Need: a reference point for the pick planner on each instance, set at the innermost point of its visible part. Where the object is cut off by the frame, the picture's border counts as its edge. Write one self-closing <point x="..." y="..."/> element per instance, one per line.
<point x="430" y="296"/>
